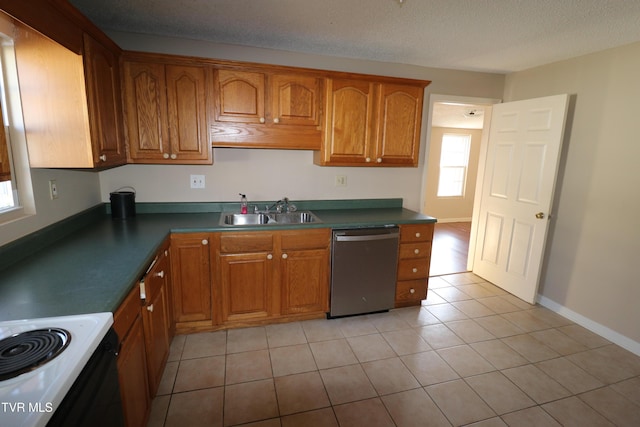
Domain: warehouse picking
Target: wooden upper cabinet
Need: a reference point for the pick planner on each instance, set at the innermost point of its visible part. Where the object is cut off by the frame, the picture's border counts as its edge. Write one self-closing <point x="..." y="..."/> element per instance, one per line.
<point x="266" y="109"/>
<point x="167" y="113"/>
<point x="370" y="123"/>
<point x="399" y="124"/>
<point x="105" y="104"/>
<point x="71" y="103"/>
<point x="295" y="99"/>
<point x="241" y="96"/>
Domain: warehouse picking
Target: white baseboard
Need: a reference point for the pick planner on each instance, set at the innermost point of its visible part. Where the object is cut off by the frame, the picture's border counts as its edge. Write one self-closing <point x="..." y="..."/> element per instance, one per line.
<point x="595" y="327"/>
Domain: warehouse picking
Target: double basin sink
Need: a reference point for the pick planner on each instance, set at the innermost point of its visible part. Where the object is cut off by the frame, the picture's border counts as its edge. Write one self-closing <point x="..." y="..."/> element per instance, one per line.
<point x="299" y="217"/>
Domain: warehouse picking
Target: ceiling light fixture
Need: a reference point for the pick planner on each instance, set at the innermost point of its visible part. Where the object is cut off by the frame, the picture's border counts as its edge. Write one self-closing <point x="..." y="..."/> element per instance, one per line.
<point x="473" y="113"/>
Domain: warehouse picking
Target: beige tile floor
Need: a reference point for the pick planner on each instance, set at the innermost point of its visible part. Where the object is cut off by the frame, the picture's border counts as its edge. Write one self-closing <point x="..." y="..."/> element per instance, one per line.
<point x="471" y="355"/>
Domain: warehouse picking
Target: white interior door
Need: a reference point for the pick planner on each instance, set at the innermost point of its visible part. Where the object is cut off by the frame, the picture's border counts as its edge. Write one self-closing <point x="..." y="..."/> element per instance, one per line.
<point x="525" y="139"/>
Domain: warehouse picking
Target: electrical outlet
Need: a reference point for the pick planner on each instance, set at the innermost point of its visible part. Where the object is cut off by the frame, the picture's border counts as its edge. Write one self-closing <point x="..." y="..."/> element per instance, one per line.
<point x="197" y="181"/>
<point x="341" y="181"/>
<point x="53" y="189"/>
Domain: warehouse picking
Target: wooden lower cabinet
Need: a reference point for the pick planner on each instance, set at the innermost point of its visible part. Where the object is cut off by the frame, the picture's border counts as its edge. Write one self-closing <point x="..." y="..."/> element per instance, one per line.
<point x="265" y="275"/>
<point x="304" y="271"/>
<point x="156" y="319"/>
<point x="413" y="263"/>
<point x="132" y="361"/>
<point x="191" y="279"/>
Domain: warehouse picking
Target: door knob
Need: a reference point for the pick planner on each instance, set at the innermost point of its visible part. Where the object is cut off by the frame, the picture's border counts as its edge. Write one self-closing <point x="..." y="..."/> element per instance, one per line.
<point x="540" y="215"/>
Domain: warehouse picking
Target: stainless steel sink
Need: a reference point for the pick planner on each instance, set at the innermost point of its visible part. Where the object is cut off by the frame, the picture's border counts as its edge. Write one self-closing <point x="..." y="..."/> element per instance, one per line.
<point x="302" y="217"/>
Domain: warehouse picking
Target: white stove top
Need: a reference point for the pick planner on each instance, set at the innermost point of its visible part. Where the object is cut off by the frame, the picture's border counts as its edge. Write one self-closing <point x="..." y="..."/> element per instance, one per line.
<point x="31" y="399"/>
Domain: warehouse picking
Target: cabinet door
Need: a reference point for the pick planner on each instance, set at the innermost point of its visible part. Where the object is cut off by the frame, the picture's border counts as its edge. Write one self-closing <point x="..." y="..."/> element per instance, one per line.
<point x="187" y="113"/>
<point x="295" y="99"/>
<point x="349" y="133"/>
<point x="191" y="277"/>
<point x="246" y="285"/>
<point x="132" y="375"/>
<point x="105" y="104"/>
<point x="146" y="111"/>
<point x="305" y="281"/>
<point x="241" y="96"/>
<point x="399" y="124"/>
<point x="155" y="316"/>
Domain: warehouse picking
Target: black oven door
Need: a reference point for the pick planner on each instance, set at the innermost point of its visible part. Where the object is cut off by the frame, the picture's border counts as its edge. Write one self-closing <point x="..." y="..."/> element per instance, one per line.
<point x="94" y="398"/>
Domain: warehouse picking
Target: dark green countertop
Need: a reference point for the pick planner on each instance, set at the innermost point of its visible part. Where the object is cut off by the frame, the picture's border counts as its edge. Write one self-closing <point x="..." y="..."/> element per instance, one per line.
<point x="93" y="268"/>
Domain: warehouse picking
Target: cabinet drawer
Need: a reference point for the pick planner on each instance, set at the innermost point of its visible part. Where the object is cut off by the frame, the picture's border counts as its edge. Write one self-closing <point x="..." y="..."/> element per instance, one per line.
<point x="415" y="250"/>
<point x="416" y="232"/>
<point x="246" y="242"/>
<point x="407" y="290"/>
<point x="308" y="239"/>
<point x="127" y="313"/>
<point x="413" y="269"/>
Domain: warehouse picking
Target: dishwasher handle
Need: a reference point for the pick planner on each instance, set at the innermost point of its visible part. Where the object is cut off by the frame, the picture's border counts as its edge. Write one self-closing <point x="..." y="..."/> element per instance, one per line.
<point x="365" y="237"/>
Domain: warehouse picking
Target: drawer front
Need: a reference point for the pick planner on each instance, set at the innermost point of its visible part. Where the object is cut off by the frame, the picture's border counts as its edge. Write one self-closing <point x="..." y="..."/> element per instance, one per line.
<point x="319" y="238"/>
<point x="409" y="290"/>
<point x="246" y="242"/>
<point x="413" y="269"/>
<point x="127" y="313"/>
<point x="416" y="232"/>
<point x="415" y="250"/>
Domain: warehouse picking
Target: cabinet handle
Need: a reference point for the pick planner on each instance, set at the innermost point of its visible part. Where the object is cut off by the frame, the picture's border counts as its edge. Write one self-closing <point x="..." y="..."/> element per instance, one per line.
<point x="174" y="156"/>
<point x="160" y="274"/>
<point x="262" y="120"/>
<point x="285" y="256"/>
<point x="103" y="157"/>
<point x="150" y="308"/>
<point x="417" y="234"/>
<point x="165" y="156"/>
<point x="276" y="120"/>
<point x="368" y="160"/>
<point x="416" y="251"/>
<point x="412" y="291"/>
<point x="269" y="256"/>
<point x="205" y="242"/>
<point x="415" y="270"/>
<point x="379" y="160"/>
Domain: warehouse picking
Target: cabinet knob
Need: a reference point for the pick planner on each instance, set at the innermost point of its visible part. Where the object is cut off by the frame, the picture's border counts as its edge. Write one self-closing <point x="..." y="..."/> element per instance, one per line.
<point x="412" y="291"/>
<point x="379" y="160"/>
<point x="269" y="256"/>
<point x="417" y="234"/>
<point x="165" y="156"/>
<point x="285" y="256"/>
<point x="416" y="251"/>
<point x="160" y="274"/>
<point x="262" y="120"/>
<point x="205" y="242"/>
<point x="174" y="156"/>
<point x="368" y="160"/>
<point x="103" y="157"/>
<point x="415" y="270"/>
<point x="276" y="120"/>
<point x="150" y="308"/>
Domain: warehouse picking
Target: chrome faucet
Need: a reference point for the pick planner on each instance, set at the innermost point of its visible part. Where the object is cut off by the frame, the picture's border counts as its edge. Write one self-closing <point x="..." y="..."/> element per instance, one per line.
<point x="282" y="205"/>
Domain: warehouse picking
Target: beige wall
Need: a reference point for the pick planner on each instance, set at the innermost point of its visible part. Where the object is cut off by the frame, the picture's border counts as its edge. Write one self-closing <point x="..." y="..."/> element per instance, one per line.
<point x="592" y="254"/>
<point x="272" y="174"/>
<point x="449" y="209"/>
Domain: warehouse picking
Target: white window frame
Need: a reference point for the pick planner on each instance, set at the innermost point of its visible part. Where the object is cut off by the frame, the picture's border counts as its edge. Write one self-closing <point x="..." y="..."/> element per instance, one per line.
<point x="454" y="165"/>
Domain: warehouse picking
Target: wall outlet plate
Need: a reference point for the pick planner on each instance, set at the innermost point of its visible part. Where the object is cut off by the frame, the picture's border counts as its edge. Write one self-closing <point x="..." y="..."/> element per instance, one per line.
<point x="197" y="181"/>
<point x="341" y="181"/>
<point x="53" y="189"/>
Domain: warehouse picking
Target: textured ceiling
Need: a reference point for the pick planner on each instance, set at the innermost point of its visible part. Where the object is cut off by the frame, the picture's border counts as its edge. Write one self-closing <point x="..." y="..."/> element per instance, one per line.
<point x="479" y="35"/>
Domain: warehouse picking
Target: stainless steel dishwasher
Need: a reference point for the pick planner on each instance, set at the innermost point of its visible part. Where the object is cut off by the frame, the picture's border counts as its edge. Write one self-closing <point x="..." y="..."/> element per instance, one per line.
<point x="364" y="262"/>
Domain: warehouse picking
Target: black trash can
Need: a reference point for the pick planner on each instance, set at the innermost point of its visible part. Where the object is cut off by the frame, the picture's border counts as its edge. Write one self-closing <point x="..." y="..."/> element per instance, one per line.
<point x="123" y="203"/>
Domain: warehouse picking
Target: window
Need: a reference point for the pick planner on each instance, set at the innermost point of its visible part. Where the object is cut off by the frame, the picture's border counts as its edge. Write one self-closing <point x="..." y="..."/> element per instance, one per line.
<point x="454" y="160"/>
<point x="16" y="191"/>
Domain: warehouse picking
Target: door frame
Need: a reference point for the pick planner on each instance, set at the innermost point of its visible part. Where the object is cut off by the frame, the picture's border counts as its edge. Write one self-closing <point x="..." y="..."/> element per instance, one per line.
<point x="484" y="142"/>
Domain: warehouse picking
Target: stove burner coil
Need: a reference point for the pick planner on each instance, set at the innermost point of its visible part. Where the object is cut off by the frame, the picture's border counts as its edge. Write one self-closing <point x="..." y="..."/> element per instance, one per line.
<point x="27" y="351"/>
